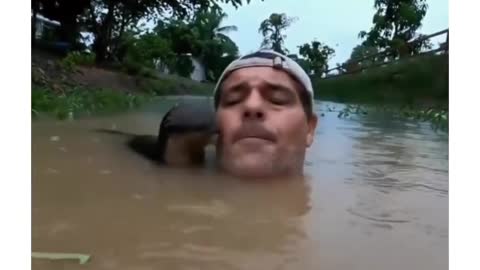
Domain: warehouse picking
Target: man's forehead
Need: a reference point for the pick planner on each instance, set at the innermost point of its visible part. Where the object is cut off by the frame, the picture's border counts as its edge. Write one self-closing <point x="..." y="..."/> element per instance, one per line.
<point x="258" y="76"/>
<point x="276" y="62"/>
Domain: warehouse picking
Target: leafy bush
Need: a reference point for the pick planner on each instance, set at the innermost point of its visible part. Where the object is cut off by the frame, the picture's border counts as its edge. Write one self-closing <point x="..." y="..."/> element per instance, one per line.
<point x="78" y="59"/>
<point x="132" y="67"/>
<point x="81" y="101"/>
<point x="407" y="81"/>
<point x="183" y="66"/>
<point x="148" y="73"/>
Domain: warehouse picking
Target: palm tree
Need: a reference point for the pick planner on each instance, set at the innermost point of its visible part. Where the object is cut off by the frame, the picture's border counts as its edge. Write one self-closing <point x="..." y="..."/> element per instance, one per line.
<point x="272" y="28"/>
<point x="207" y="25"/>
<point x="213" y="44"/>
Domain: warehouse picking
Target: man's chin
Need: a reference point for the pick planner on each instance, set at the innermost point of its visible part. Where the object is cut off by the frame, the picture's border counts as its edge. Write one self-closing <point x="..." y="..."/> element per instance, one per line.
<point x="252" y="167"/>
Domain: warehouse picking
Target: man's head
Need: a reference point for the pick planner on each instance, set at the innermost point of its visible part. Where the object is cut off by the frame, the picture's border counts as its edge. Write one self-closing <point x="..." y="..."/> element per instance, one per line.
<point x="264" y="115"/>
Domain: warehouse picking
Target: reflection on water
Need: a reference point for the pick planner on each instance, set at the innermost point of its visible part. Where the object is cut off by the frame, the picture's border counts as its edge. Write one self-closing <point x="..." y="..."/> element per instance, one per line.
<point x="376" y="197"/>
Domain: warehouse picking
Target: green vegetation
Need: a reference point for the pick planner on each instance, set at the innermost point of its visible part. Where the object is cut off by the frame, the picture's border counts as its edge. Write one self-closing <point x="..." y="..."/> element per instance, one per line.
<point x="414" y="81"/>
<point x="76" y="58"/>
<point x="414" y="88"/>
<point x="109" y="21"/>
<point x="395" y="23"/>
<point x="316" y="57"/>
<point x="273" y="29"/>
<point x="77" y="101"/>
<point x="194" y="30"/>
<point x="80" y="102"/>
<point x="437" y="117"/>
<point x="133" y="55"/>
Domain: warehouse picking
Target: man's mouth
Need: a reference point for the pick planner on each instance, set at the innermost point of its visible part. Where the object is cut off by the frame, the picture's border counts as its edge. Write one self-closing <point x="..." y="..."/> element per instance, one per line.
<point x="254" y="138"/>
<point x="254" y="133"/>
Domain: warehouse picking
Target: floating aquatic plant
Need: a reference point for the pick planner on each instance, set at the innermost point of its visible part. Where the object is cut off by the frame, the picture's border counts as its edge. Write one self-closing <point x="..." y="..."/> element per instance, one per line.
<point x="438" y="117"/>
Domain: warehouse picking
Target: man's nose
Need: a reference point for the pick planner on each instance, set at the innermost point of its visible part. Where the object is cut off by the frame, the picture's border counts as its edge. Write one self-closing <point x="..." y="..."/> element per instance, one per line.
<point x="254" y="107"/>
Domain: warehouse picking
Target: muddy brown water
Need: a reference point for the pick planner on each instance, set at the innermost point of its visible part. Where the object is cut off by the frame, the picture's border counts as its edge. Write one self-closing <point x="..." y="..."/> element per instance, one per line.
<point x="375" y="196"/>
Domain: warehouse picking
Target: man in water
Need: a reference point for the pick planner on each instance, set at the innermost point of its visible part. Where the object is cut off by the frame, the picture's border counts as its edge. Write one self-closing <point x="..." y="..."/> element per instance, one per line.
<point x="263" y="115"/>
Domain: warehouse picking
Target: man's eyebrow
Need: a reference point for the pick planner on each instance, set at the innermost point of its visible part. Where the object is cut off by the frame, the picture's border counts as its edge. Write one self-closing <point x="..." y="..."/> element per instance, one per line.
<point x="238" y="86"/>
<point x="277" y="86"/>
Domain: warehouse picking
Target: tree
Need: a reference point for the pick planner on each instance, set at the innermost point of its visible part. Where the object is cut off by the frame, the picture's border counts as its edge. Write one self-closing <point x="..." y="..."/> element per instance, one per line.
<point x="317" y="55"/>
<point x="394" y="24"/>
<point x="179" y="33"/>
<point x="362" y="56"/>
<point x="148" y="49"/>
<point x="64" y="11"/>
<point x="362" y="51"/>
<point x="108" y="20"/>
<point x="272" y="31"/>
<point x="214" y="48"/>
<point x="201" y="36"/>
<point x="106" y="14"/>
<point x="207" y="25"/>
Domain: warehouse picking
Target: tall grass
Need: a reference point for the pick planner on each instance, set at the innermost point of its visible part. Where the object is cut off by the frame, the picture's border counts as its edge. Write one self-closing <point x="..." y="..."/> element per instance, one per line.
<point x="78" y="102"/>
<point x="423" y="79"/>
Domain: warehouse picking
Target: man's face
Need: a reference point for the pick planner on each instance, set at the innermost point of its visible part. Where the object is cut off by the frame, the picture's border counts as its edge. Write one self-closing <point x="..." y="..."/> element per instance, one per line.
<point x="264" y="130"/>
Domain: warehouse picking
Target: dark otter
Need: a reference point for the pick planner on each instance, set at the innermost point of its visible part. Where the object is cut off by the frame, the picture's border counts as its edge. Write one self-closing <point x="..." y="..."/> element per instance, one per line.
<point x="184" y="132"/>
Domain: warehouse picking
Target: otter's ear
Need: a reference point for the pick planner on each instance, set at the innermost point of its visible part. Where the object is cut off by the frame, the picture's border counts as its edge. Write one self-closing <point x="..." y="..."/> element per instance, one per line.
<point x="312" y="125"/>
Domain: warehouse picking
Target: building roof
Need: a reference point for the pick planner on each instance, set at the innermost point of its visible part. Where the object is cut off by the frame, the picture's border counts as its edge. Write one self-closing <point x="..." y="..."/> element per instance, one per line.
<point x="46" y="20"/>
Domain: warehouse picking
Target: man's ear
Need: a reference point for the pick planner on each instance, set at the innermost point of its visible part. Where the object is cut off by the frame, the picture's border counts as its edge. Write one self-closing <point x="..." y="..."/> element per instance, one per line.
<point x="312" y="125"/>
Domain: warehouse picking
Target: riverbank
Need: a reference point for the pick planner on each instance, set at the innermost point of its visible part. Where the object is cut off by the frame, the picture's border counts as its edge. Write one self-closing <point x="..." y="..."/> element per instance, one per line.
<point x="420" y="81"/>
<point x="65" y="90"/>
<point x="414" y="89"/>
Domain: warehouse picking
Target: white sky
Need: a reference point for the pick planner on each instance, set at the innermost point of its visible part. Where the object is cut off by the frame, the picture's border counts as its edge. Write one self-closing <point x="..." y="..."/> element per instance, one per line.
<point x="334" y="22"/>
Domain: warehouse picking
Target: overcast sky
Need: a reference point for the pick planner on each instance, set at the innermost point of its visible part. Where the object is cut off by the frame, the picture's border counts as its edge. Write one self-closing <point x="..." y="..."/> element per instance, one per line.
<point x="334" y="22"/>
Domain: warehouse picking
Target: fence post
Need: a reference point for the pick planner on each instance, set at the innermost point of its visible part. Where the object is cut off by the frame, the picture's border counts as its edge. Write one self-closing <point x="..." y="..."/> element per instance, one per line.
<point x="446" y="45"/>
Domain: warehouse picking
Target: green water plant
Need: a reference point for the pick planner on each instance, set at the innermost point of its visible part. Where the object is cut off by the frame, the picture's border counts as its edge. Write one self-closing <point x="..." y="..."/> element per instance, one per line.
<point x="437" y="117"/>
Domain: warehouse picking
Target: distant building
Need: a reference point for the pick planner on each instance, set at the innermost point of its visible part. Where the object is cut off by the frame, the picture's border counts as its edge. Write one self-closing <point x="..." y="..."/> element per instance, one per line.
<point x="198" y="73"/>
<point x="45" y="28"/>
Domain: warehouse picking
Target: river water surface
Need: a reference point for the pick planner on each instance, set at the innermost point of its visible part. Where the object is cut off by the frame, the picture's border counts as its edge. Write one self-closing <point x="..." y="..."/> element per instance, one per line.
<point x="375" y="197"/>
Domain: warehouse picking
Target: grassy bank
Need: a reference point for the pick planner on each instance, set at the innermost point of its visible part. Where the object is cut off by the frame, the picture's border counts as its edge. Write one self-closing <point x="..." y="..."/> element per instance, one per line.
<point x="414" y="89"/>
<point x="416" y="81"/>
<point x="77" y="102"/>
<point x="63" y="88"/>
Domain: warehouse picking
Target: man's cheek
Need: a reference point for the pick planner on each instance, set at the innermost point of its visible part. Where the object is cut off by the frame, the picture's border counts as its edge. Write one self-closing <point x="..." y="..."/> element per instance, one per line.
<point x="225" y="141"/>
